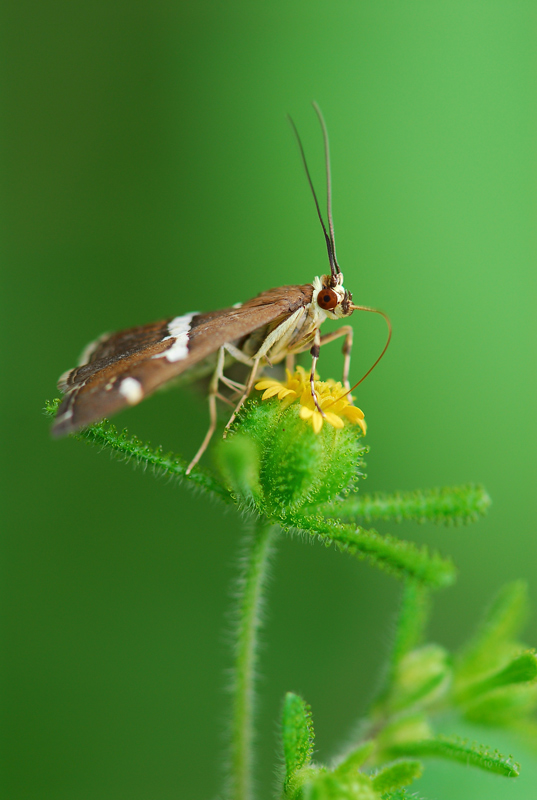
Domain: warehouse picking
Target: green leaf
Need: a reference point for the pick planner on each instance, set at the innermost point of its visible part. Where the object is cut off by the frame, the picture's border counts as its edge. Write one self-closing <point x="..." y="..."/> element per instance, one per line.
<point x="401" y="558"/>
<point x="395" y="776"/>
<point x="506" y="707"/>
<point x="494" y="638"/>
<point x="105" y="435"/>
<point x="297" y="733"/>
<point x="521" y="669"/>
<point x="455" y="749"/>
<point x="450" y="505"/>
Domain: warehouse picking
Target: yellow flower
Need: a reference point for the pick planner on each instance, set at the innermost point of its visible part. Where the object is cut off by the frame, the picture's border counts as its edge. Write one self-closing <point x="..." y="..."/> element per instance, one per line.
<point x="273" y="388"/>
<point x="335" y="404"/>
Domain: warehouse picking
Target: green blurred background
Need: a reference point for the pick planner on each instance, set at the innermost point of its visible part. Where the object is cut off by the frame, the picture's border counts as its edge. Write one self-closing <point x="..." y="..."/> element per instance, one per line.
<point x="149" y="170"/>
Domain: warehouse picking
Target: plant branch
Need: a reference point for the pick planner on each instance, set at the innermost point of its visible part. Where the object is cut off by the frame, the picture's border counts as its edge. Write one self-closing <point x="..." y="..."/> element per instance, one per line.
<point x="449" y="505"/>
<point x="249" y="607"/>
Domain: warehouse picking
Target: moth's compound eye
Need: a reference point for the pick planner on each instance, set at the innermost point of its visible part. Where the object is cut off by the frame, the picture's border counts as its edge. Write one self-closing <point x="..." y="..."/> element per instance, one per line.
<point x="327" y="299"/>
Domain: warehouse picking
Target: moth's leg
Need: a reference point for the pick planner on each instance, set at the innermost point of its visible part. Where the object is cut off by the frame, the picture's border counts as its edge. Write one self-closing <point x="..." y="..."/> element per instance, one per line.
<point x="238" y="355"/>
<point x="213" y="394"/>
<point x="290" y="362"/>
<point x="345" y="331"/>
<point x="315" y="350"/>
<point x="247" y="390"/>
<point x="275" y="336"/>
<point x="225" y="400"/>
<point x="234" y="385"/>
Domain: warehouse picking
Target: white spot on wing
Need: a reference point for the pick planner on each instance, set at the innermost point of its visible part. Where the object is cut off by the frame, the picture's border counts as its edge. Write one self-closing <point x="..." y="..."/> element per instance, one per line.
<point x="132" y="391"/>
<point x="178" y="329"/>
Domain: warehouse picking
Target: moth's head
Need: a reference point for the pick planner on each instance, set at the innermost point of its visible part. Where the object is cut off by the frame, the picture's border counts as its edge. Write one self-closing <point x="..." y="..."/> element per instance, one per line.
<point x="330" y="296"/>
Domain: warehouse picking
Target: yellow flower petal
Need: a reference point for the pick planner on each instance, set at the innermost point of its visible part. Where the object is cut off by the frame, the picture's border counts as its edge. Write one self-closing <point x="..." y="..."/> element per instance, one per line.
<point x="331" y="397"/>
<point x="333" y="419"/>
<point x="284" y="392"/>
<point x="265" y="383"/>
<point x="326" y="401"/>
<point x="316" y="421"/>
<point x="306" y="400"/>
<point x="353" y="413"/>
<point x="336" y="407"/>
<point x="271" y="391"/>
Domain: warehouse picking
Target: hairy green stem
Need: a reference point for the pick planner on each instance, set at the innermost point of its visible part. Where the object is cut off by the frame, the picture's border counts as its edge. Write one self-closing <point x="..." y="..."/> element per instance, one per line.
<point x="251" y="584"/>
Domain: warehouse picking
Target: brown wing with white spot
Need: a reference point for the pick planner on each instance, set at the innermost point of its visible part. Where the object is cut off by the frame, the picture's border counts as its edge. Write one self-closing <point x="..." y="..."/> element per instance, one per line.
<point x="123" y="368"/>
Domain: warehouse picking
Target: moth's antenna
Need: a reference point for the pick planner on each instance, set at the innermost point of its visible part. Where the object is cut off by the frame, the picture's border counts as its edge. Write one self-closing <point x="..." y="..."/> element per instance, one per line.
<point x="328" y="181"/>
<point x="334" y="269"/>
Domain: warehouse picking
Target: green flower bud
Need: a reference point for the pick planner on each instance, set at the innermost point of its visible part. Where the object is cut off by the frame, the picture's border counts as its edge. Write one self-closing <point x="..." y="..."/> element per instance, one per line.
<point x="302" y="457"/>
<point x="422" y="677"/>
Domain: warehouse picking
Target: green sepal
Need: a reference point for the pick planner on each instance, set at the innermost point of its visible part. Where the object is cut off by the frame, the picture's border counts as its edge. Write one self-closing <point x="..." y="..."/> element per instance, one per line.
<point x="397" y="775"/>
<point x="297" y="734"/>
<point x="238" y="461"/>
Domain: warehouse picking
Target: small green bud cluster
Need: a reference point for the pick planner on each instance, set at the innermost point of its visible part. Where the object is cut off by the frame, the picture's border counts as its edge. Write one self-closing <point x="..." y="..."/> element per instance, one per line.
<point x="492" y="681"/>
<point x="275" y="459"/>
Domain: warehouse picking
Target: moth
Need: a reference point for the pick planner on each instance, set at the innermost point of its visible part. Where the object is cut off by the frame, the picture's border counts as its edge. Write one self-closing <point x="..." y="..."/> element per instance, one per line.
<point x="122" y="369"/>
